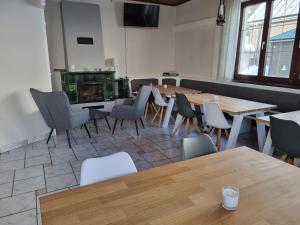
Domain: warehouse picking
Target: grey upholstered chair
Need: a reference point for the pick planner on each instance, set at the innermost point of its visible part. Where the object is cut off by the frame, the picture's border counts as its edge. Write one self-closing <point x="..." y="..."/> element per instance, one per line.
<point x="96" y="114"/>
<point x="58" y="106"/>
<point x="132" y="112"/>
<point x="39" y="98"/>
<point x="285" y="137"/>
<point x="184" y="108"/>
<point x="197" y="146"/>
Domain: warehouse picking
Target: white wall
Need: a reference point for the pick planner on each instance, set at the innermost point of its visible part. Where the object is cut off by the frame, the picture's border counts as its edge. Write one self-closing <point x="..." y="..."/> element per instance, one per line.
<point x="141" y="52"/>
<point x="82" y="20"/>
<point x="196" y="10"/>
<point x="24" y="64"/>
<point x="196" y="39"/>
<point x="150" y="52"/>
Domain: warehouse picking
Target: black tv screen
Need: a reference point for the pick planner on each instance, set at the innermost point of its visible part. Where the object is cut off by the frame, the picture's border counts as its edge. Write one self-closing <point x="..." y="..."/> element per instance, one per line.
<point x="141" y="15"/>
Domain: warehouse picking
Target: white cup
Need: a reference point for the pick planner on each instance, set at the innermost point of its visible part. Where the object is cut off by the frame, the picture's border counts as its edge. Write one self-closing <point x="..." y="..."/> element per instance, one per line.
<point x="165" y="86"/>
<point x="230" y="198"/>
<point x="216" y="98"/>
<point x="73" y="68"/>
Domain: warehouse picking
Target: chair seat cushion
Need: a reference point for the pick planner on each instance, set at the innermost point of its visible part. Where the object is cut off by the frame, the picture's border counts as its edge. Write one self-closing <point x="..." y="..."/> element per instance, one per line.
<point x="79" y="117"/>
<point x="98" y="114"/>
<point x="124" y="112"/>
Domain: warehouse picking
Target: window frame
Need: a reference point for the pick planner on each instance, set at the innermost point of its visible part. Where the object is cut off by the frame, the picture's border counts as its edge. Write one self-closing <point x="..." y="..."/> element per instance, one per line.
<point x="294" y="77"/>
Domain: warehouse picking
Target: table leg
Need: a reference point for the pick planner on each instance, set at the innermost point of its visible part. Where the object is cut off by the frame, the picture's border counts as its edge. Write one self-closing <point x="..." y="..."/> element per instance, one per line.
<point x="235" y="130"/>
<point x="268" y="148"/>
<point x="168" y="113"/>
<point x="177" y="122"/>
<point x="193" y="106"/>
<point x="261" y="132"/>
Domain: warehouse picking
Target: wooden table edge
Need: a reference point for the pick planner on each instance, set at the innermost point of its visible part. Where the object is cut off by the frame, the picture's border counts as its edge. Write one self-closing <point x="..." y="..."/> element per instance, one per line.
<point x="264" y="109"/>
<point x="242" y="149"/>
<point x="263" y="120"/>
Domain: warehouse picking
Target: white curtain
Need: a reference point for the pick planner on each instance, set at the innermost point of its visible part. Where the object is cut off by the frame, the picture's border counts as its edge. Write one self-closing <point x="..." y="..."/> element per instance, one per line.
<point x="229" y="40"/>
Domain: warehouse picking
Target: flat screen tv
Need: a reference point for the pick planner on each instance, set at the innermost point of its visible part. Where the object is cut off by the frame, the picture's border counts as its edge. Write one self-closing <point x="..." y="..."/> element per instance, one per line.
<point x="141" y="15"/>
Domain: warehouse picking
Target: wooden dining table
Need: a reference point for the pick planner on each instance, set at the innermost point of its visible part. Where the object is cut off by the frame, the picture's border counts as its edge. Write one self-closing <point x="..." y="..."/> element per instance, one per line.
<point x="238" y="109"/>
<point x="186" y="193"/>
<point x="170" y="91"/>
<point x="294" y="116"/>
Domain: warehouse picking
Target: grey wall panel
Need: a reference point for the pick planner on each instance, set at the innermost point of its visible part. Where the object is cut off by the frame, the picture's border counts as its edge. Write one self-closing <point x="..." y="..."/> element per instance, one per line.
<point x="82" y="20"/>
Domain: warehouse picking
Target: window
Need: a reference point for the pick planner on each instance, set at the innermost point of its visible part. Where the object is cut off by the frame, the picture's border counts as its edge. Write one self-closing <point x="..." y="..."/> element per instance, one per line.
<point x="268" y="43"/>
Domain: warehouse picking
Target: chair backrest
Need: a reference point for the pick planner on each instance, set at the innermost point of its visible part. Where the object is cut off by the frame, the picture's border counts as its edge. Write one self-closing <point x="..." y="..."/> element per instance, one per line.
<point x="39" y="98"/>
<point x="141" y="100"/>
<point x="197" y="146"/>
<point x="59" y="107"/>
<point x="285" y="136"/>
<point x="169" y="81"/>
<point x="214" y="115"/>
<point x="104" y="168"/>
<point x="183" y="106"/>
<point x="158" y="99"/>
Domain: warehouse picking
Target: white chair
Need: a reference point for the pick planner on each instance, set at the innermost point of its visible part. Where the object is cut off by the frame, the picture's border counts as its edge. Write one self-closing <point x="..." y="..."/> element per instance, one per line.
<point x="161" y="103"/>
<point x="216" y="119"/>
<point x="104" y="168"/>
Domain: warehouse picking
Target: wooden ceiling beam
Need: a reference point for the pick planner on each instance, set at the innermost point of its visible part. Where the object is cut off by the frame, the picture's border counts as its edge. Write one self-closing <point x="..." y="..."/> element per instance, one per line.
<point x="164" y="2"/>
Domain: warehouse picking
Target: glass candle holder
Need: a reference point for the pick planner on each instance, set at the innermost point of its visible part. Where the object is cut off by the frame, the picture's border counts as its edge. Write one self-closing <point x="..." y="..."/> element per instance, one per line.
<point x="230" y="198"/>
<point x="165" y="86"/>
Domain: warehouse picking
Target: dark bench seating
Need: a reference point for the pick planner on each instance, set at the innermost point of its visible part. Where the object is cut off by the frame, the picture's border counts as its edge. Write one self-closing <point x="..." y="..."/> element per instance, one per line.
<point x="137" y="83"/>
<point x="285" y="101"/>
<point x="169" y="81"/>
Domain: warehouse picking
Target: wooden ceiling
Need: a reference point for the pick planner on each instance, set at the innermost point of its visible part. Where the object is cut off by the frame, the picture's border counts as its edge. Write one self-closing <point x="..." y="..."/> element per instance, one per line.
<point x="164" y="2"/>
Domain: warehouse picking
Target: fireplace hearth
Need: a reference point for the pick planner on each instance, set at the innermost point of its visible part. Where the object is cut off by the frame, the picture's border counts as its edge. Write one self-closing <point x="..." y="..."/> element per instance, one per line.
<point x="90" y="92"/>
<point x="88" y="87"/>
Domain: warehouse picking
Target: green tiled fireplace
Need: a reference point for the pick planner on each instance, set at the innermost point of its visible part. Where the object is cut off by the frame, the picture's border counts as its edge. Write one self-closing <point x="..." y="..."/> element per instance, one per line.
<point x="85" y="87"/>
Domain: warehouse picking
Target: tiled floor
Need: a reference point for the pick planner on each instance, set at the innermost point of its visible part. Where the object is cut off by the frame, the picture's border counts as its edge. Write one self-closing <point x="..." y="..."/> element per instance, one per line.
<point x="38" y="169"/>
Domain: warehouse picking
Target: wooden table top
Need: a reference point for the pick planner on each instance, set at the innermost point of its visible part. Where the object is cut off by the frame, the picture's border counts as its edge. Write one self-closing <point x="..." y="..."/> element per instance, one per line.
<point x="171" y="90"/>
<point x="186" y="193"/>
<point x="294" y="116"/>
<point x="232" y="106"/>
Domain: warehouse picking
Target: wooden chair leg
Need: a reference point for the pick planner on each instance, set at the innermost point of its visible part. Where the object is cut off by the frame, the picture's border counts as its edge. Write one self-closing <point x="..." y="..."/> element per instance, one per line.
<point x="219" y="139"/>
<point x="227" y="133"/>
<point x="161" y="115"/>
<point x="212" y="132"/>
<point x="283" y="157"/>
<point x="296" y="162"/>
<point x="154" y="107"/>
<point x="195" y="123"/>
<point x="178" y="127"/>
<point x="146" y="111"/>
<point x="187" y="128"/>
<point x="172" y="118"/>
<point x="155" y="116"/>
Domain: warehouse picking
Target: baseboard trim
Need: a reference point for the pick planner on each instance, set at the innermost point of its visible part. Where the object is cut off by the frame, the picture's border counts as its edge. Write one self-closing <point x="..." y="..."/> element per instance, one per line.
<point x="19" y="144"/>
